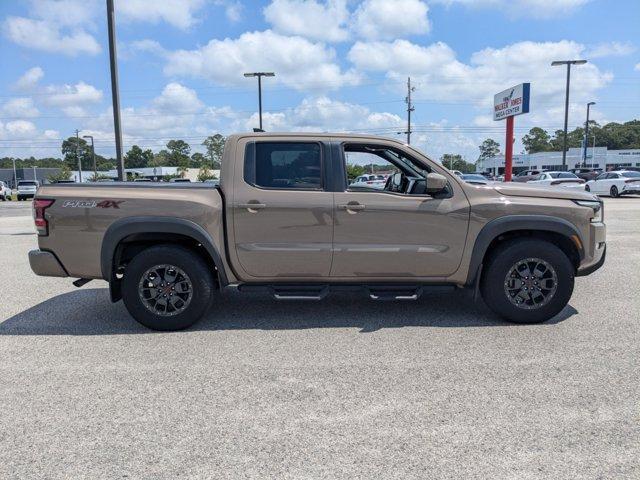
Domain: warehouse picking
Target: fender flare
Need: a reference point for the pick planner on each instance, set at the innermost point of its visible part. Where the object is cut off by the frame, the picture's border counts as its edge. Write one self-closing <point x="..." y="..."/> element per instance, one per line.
<point x="120" y="229"/>
<point x="510" y="223"/>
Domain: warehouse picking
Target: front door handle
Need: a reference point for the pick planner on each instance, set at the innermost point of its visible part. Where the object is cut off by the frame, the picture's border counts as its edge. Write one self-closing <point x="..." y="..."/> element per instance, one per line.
<point x="351" y="207"/>
<point x="252" y="207"/>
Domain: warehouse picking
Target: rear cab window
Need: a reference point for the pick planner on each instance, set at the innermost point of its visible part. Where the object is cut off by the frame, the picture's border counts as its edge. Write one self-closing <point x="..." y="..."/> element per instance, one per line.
<point x="284" y="165"/>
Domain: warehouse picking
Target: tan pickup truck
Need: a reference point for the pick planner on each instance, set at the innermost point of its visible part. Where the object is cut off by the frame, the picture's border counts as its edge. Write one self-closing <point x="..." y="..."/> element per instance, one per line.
<point x="286" y="219"/>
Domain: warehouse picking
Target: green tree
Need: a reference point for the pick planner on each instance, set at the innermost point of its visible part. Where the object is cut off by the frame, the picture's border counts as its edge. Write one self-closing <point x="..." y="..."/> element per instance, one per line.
<point x="178" y="155"/>
<point x="63" y="174"/>
<point x="205" y="173"/>
<point x="354" y="171"/>
<point x="198" y="160"/>
<point x="456" y="162"/>
<point x="137" y="158"/>
<point x="537" y="140"/>
<point x="215" y="146"/>
<point x="83" y="151"/>
<point x="489" y="149"/>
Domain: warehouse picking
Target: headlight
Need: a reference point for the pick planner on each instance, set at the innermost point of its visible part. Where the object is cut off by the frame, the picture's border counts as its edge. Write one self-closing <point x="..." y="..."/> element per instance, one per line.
<point x="596" y="206"/>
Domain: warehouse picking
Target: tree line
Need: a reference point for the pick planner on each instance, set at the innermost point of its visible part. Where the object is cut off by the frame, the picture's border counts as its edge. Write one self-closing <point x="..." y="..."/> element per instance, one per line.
<point x="177" y="153"/>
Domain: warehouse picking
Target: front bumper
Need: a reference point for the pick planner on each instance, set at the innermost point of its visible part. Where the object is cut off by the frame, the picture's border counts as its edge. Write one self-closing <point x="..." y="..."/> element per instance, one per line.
<point x="46" y="264"/>
<point x="596" y="252"/>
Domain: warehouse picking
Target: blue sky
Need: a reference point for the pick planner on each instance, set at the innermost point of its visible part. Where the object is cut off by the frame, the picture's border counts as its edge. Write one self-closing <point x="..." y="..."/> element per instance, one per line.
<point x="340" y="66"/>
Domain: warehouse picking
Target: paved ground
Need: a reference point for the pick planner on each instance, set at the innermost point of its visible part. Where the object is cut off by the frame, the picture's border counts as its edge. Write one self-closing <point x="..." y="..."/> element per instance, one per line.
<point x="345" y="388"/>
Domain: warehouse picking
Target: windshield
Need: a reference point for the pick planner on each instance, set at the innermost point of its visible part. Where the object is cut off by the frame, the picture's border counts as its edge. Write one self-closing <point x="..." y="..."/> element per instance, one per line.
<point x="631" y="174"/>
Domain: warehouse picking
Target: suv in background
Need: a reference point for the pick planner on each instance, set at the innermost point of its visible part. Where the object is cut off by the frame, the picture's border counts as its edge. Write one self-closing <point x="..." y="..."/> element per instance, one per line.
<point x="586" y="173"/>
<point x="27" y="189"/>
<point x="5" y="192"/>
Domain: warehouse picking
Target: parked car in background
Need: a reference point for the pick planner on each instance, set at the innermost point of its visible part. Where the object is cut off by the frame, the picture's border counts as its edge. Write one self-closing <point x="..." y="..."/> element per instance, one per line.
<point x="558" y="179"/>
<point x="370" y="181"/>
<point x="457" y="172"/>
<point x="586" y="173"/>
<point x="27" y="189"/>
<point x="179" y="180"/>
<point x="5" y="192"/>
<point x="614" y="184"/>
<point x="474" y="179"/>
<point x="526" y="175"/>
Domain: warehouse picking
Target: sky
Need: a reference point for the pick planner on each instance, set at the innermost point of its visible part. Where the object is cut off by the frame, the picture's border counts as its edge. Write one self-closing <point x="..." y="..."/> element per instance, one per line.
<point x="340" y="65"/>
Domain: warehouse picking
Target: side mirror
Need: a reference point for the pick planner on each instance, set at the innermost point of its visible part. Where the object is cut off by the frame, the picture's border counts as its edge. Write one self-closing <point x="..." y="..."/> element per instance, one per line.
<point x="436" y="182"/>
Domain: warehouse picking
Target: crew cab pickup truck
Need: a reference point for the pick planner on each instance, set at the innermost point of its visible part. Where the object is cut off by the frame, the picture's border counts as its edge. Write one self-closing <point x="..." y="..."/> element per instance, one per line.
<point x="284" y="218"/>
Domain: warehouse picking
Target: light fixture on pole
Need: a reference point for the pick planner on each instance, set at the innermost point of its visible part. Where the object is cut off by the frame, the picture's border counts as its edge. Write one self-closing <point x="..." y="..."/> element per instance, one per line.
<point x="568" y="63"/>
<point x="586" y="136"/>
<point x="260" y="75"/>
<point x="93" y="156"/>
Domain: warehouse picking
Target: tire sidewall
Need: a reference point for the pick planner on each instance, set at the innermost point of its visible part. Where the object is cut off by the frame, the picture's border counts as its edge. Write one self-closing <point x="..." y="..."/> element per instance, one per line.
<point x="499" y="264"/>
<point x="192" y="264"/>
<point x="614" y="191"/>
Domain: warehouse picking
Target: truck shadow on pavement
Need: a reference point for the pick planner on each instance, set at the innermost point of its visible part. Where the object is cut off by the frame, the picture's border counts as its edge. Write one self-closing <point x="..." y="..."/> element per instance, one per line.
<point x="90" y="312"/>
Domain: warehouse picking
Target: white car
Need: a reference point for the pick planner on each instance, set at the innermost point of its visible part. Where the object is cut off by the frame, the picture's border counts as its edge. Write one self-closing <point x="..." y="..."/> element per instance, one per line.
<point x="27" y="189"/>
<point x="558" y="179"/>
<point x="370" y="181"/>
<point x="474" y="178"/>
<point x="620" y="182"/>
<point x="5" y="192"/>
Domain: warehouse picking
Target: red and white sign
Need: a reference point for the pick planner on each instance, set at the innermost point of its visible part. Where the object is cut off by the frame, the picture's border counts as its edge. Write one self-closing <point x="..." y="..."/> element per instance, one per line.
<point x="511" y="102"/>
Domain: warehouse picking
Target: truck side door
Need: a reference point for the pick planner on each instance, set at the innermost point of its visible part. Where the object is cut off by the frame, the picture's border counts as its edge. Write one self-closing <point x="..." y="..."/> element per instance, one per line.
<point x="382" y="233"/>
<point x="282" y="211"/>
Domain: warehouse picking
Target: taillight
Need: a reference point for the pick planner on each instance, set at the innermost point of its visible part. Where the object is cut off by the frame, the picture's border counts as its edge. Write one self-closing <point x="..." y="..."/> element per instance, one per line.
<point x="39" y="206"/>
<point x="631" y="181"/>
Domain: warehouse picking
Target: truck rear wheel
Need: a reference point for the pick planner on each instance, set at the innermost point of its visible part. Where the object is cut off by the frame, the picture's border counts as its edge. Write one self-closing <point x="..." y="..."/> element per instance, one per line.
<point x="167" y="288"/>
<point x="527" y="281"/>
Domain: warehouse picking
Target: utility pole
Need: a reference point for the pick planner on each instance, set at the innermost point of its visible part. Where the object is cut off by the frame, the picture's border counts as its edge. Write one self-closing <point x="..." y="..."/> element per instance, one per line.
<point x="410" y="109"/>
<point x="78" y="156"/>
<point x="260" y="75"/>
<point x="15" y="175"/>
<point x="115" y="92"/>
<point x="93" y="156"/>
<point x="586" y="136"/>
<point x="568" y="63"/>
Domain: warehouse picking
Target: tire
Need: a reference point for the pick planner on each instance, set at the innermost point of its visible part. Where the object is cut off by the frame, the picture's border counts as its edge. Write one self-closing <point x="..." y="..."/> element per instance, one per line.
<point x="498" y="281"/>
<point x="190" y="271"/>
<point x="587" y="188"/>
<point x="614" y="192"/>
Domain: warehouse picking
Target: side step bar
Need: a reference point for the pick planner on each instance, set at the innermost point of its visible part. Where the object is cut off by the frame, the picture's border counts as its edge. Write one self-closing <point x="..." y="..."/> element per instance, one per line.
<point x="319" y="291"/>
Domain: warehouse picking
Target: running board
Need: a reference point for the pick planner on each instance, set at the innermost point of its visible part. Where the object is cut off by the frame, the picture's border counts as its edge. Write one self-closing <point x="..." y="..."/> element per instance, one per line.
<point x="319" y="291"/>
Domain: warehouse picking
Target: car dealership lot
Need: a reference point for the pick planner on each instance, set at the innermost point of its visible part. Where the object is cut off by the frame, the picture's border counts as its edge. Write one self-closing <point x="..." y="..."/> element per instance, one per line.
<point x="346" y="387"/>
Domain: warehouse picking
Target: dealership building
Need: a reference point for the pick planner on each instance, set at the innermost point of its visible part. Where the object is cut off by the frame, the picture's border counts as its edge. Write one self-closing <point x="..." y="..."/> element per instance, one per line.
<point x="598" y="157"/>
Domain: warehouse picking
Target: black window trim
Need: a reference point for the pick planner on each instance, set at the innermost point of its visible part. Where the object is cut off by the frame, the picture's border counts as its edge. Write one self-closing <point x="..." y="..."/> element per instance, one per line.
<point x="323" y="165"/>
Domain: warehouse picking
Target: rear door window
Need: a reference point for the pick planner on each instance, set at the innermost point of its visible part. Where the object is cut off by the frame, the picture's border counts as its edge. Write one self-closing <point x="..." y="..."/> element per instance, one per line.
<point x="284" y="165"/>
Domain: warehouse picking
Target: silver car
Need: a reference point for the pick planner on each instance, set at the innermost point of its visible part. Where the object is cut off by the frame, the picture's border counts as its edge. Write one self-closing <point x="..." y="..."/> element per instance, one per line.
<point x="27" y="189"/>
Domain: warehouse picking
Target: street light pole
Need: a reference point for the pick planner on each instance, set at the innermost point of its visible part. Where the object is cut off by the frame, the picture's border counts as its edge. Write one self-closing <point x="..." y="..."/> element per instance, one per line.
<point x="586" y="136"/>
<point x="568" y="63"/>
<point x="93" y="156"/>
<point x="260" y="75"/>
<point x="78" y="157"/>
<point x="15" y="175"/>
<point x="115" y="92"/>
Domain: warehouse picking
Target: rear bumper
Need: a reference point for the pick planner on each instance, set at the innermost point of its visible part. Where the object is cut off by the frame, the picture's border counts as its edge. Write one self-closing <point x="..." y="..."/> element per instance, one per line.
<point x="46" y="264"/>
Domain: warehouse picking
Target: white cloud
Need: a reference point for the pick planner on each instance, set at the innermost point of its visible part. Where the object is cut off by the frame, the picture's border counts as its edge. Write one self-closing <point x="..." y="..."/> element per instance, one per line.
<point x="440" y="77"/>
<point x="45" y="35"/>
<point x="18" y="129"/>
<point x="637" y="67"/>
<point x="65" y="12"/>
<point x="29" y="79"/>
<point x="298" y="63"/>
<point x="232" y="9"/>
<point x="178" y="98"/>
<point x="324" y="21"/>
<point x="22" y="107"/>
<point x="610" y="49"/>
<point x="524" y="8"/>
<point x="382" y="19"/>
<point x="71" y="99"/>
<point x="178" y="13"/>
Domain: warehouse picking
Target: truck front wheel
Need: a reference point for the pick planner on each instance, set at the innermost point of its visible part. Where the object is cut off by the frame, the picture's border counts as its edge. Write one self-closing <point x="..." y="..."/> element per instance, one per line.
<point x="527" y="281"/>
<point x="167" y="287"/>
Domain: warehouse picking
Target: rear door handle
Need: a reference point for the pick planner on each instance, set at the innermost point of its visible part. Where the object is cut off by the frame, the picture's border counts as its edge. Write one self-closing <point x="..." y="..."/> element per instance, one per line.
<point x="252" y="206"/>
<point x="351" y="206"/>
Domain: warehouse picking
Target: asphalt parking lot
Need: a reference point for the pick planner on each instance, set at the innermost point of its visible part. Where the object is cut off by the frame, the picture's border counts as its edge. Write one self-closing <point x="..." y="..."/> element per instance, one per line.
<point x="344" y="388"/>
